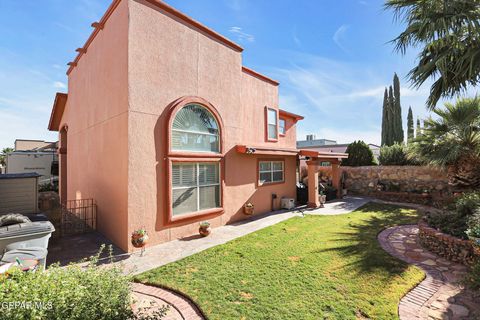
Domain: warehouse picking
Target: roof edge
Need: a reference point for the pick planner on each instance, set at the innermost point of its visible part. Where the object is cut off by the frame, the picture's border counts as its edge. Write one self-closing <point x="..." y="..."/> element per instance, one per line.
<point x="57" y="111"/>
<point x="163" y="6"/>
<point x="290" y="114"/>
<point x="260" y="76"/>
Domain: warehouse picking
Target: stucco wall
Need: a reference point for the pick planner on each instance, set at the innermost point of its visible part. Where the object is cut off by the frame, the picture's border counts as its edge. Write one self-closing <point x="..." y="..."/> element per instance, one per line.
<point x="96" y="116"/>
<point x="169" y="60"/>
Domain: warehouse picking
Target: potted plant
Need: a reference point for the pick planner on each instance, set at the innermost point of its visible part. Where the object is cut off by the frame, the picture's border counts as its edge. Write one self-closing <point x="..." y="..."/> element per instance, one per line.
<point x="249" y="208"/>
<point x="323" y="198"/>
<point x="204" y="229"/>
<point x="139" y="238"/>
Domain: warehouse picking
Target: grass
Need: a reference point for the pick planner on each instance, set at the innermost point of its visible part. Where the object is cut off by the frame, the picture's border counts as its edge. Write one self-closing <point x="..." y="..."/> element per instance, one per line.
<point x="316" y="267"/>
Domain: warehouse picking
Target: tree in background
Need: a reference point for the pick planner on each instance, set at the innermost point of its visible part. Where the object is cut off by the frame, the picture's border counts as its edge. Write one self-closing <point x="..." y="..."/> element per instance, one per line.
<point x="449" y="32"/>
<point x="394" y="155"/>
<point x="452" y="141"/>
<point x="410" y="130"/>
<point x="392" y="128"/>
<point x="359" y="154"/>
<point x="3" y="156"/>
<point x="418" y="132"/>
<point x="385" y="120"/>
<point x="398" y="135"/>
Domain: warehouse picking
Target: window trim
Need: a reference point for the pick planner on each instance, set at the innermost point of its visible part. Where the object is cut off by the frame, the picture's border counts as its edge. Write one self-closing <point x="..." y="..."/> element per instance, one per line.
<point x="264" y="184"/>
<point x="284" y="127"/>
<point x="267" y="138"/>
<point x="196" y="214"/>
<point x="174" y="108"/>
<point x="170" y="156"/>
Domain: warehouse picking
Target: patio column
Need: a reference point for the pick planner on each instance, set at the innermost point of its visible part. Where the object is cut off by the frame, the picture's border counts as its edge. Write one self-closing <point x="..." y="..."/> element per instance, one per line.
<point x="313" y="201"/>
<point x="336" y="176"/>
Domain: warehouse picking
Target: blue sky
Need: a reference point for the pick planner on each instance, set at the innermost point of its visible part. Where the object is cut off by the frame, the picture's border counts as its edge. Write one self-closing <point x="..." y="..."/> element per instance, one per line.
<point x="332" y="58"/>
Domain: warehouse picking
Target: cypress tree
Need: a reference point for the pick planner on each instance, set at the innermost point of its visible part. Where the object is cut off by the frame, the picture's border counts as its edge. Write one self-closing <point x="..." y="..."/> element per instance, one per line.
<point x="390" y="117"/>
<point x="385" y="118"/>
<point x="397" y="119"/>
<point x="419" y="130"/>
<point x="410" y="132"/>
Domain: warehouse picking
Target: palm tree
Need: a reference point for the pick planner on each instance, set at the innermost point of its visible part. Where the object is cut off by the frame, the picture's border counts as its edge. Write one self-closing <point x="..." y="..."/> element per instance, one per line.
<point x="452" y="141"/>
<point x="449" y="32"/>
<point x="3" y="155"/>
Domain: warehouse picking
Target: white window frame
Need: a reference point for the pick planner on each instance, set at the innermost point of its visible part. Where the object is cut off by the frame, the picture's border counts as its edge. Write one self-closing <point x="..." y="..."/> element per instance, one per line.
<point x="200" y="133"/>
<point x="272" y="124"/>
<point x="284" y="127"/>
<point x="271" y="171"/>
<point x="197" y="186"/>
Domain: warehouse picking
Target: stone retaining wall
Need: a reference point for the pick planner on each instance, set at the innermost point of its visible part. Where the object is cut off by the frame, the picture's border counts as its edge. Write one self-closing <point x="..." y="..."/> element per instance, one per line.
<point x="447" y="246"/>
<point x="416" y="184"/>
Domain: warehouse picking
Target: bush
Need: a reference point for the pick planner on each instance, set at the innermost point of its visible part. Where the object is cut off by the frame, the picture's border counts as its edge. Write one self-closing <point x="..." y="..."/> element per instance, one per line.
<point x="449" y="222"/>
<point x="473" y="223"/>
<point x="395" y="155"/>
<point x="473" y="277"/>
<point x="468" y="203"/>
<point x="359" y="154"/>
<point x="49" y="186"/>
<point x="70" y="292"/>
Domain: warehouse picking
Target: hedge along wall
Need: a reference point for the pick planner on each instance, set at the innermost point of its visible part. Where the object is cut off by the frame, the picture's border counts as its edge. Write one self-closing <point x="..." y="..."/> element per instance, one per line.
<point x="399" y="183"/>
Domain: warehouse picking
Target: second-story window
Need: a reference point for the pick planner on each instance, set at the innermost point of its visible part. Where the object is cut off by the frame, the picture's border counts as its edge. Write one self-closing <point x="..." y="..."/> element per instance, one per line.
<point x="195" y="129"/>
<point x="282" y="126"/>
<point x="272" y="125"/>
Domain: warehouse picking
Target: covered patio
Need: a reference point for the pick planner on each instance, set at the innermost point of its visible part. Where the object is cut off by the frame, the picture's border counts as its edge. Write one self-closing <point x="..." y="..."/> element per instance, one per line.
<point x="314" y="161"/>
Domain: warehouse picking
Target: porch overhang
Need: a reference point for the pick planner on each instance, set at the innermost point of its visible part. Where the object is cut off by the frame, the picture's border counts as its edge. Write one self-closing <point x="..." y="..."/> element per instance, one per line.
<point x="323" y="156"/>
<point x="246" y="149"/>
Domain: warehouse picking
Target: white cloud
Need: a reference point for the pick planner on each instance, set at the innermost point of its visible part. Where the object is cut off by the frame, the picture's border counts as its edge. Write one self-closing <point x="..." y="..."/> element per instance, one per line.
<point x="242" y="36"/>
<point x="59" y="85"/>
<point x="339" y="36"/>
<point x="363" y="3"/>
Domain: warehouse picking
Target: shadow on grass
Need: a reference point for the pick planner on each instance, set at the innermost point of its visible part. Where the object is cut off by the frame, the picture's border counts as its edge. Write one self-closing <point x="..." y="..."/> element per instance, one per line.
<point x="362" y="238"/>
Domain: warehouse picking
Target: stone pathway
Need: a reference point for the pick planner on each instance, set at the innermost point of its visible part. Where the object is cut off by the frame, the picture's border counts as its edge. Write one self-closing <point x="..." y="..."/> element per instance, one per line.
<point x="180" y="307"/>
<point x="439" y="296"/>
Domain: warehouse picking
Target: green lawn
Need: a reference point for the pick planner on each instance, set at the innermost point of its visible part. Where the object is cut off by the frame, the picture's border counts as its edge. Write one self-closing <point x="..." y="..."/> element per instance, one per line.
<point x="316" y="267"/>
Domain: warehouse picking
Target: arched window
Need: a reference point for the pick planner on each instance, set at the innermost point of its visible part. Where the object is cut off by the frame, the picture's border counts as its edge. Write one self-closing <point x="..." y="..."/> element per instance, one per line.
<point x="195" y="158"/>
<point x="195" y="129"/>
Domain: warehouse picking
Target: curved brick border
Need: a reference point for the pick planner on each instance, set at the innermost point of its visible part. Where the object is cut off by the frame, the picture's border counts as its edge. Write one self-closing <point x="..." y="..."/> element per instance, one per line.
<point x="180" y="306"/>
<point x="447" y="246"/>
<point x="438" y="296"/>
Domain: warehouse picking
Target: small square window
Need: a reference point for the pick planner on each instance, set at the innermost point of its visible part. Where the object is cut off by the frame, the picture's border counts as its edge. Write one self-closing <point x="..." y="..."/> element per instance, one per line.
<point x="270" y="172"/>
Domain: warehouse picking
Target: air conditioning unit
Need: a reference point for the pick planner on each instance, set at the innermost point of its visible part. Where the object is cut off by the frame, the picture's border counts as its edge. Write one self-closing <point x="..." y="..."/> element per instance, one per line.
<point x="287" y="203"/>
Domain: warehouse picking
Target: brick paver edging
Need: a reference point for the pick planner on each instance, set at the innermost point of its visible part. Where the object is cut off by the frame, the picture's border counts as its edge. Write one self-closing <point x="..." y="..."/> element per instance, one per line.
<point x="410" y="305"/>
<point x="185" y="306"/>
<point x="439" y="295"/>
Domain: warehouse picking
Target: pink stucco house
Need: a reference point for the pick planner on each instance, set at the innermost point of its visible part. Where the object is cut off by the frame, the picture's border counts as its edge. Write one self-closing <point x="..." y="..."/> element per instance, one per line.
<point x="164" y="127"/>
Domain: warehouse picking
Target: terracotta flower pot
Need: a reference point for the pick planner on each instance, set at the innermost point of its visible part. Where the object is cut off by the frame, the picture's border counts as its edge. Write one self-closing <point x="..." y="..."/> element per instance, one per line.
<point x="204" y="231"/>
<point x="248" y="210"/>
<point x="139" y="240"/>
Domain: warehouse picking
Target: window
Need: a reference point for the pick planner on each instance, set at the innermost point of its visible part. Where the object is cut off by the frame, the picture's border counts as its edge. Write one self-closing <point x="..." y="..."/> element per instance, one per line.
<point x="272" y="124"/>
<point x="195" y="129"/>
<point x="270" y="171"/>
<point x="282" y="126"/>
<point x="195" y="187"/>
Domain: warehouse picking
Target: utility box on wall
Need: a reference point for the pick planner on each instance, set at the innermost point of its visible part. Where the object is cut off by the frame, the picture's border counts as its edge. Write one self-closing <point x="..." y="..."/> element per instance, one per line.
<point x="19" y="193"/>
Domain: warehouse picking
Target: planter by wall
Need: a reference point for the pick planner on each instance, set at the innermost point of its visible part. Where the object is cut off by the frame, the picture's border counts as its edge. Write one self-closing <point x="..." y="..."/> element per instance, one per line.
<point x="447" y="246"/>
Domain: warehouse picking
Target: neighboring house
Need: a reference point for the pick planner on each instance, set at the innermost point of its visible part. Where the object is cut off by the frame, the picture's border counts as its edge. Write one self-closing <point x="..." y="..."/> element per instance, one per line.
<point x="164" y="127"/>
<point x="311" y="141"/>
<point x="34" y="156"/>
<point x="29" y="145"/>
<point x="323" y="145"/>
